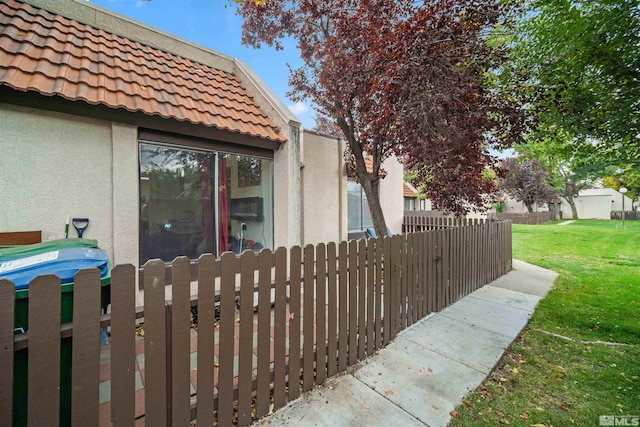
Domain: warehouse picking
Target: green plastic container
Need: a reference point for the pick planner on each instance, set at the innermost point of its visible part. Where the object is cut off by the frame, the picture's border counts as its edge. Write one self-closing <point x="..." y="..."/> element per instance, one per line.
<point x="21" y="324"/>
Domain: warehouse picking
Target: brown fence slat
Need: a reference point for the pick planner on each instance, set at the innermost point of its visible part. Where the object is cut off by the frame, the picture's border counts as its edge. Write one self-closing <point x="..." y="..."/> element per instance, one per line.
<point x="387" y="273"/>
<point x="263" y="397"/>
<point x="226" y="334"/>
<point x="7" y="310"/>
<point x="343" y="301"/>
<point x="377" y="326"/>
<point x="155" y="352"/>
<point x="123" y="353"/>
<point x="403" y="283"/>
<point x="321" y="314"/>
<point x="413" y="279"/>
<point x="362" y="297"/>
<point x="353" y="301"/>
<point x="370" y="294"/>
<point x="245" y="338"/>
<point x="395" y="284"/>
<point x="205" y="379"/>
<point x="85" y="358"/>
<point x="332" y="310"/>
<point x="424" y="309"/>
<point x="308" y="317"/>
<point x="431" y="272"/>
<point x="279" y="343"/>
<point x="295" y="265"/>
<point x="438" y="277"/>
<point x="43" y="402"/>
<point x="181" y="341"/>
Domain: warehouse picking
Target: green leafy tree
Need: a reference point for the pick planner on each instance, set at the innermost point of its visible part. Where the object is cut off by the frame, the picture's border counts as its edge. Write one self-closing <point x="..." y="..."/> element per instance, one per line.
<point x="629" y="179"/>
<point x="576" y="64"/>
<point x="572" y="164"/>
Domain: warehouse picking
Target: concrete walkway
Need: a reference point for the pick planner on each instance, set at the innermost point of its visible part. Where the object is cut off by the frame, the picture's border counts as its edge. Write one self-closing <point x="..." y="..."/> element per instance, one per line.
<point x="428" y="369"/>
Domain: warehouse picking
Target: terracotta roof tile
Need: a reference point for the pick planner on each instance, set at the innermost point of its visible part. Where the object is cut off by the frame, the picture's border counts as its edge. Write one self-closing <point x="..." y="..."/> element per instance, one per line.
<point x="53" y="55"/>
<point x="408" y="190"/>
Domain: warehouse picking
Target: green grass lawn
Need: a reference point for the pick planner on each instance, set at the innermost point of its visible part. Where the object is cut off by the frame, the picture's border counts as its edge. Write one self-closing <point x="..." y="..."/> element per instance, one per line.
<point x="551" y="381"/>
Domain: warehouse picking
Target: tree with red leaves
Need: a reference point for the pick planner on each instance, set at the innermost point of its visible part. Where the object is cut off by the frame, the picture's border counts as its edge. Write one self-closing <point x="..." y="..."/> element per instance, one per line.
<point x="402" y="78"/>
<point x="527" y="181"/>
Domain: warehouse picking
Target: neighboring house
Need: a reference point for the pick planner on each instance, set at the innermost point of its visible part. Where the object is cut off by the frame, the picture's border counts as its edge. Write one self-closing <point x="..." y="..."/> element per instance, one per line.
<point x="511" y="205"/>
<point x="597" y="203"/>
<point x="167" y="147"/>
<point x="411" y="200"/>
<point x="594" y="203"/>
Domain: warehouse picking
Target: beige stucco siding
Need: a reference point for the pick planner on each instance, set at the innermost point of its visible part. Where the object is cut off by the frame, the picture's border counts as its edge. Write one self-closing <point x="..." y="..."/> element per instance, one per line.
<point x="53" y="166"/>
<point x="126" y="200"/>
<point x="391" y="196"/>
<point x="324" y="190"/>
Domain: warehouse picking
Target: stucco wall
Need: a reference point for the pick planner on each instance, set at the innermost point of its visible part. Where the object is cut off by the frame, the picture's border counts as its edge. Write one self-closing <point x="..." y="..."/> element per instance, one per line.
<point x="391" y="196"/>
<point x="597" y="204"/>
<point x="324" y="190"/>
<point x="53" y="166"/>
<point x="126" y="199"/>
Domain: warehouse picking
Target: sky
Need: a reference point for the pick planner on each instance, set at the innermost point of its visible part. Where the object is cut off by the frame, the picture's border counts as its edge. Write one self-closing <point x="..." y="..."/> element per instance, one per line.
<point x="210" y="24"/>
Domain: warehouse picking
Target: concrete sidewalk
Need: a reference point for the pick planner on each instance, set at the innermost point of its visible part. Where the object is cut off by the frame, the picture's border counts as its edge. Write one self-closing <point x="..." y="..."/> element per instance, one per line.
<point x="427" y="370"/>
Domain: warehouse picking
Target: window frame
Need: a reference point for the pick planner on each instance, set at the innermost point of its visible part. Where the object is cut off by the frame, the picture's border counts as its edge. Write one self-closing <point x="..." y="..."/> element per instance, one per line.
<point x="217" y="149"/>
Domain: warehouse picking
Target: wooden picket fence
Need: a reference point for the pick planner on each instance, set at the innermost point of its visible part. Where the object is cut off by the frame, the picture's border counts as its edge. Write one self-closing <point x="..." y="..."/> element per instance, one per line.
<point x="415" y="221"/>
<point x="320" y="309"/>
<point x="531" y="218"/>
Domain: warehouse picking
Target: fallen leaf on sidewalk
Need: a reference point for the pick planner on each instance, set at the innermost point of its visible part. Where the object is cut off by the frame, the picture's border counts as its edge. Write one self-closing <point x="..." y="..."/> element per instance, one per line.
<point x="365" y="407"/>
<point x="436" y="407"/>
<point x="453" y="413"/>
<point x="388" y="392"/>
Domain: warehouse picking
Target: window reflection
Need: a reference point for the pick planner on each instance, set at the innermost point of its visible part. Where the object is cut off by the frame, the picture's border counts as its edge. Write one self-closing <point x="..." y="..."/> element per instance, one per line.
<point x="188" y="197"/>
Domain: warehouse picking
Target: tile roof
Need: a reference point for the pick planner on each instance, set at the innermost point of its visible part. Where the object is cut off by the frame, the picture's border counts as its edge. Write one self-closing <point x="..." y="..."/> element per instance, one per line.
<point x="50" y="54"/>
<point x="409" y="191"/>
<point x="351" y="170"/>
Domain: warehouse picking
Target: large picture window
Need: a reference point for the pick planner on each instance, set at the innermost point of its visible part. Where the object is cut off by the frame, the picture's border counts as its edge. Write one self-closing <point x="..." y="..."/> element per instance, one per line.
<point x="358" y="207"/>
<point x="188" y="197"/>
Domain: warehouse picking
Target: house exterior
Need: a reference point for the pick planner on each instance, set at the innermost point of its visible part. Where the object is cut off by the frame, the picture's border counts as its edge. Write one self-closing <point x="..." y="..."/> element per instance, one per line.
<point x="511" y="205"/>
<point x="597" y="203"/>
<point x="168" y="148"/>
<point x="411" y="200"/>
<point x="334" y="206"/>
<point x="593" y="203"/>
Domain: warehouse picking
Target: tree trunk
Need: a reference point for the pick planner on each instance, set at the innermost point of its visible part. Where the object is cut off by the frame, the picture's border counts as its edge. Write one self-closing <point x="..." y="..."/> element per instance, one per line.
<point x="371" y="185"/>
<point x="572" y="203"/>
<point x="529" y="206"/>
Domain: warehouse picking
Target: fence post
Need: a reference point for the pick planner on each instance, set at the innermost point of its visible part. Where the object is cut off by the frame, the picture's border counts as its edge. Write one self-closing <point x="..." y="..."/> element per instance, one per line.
<point x="206" y="319"/>
<point x="155" y="350"/>
<point x="123" y="352"/>
<point x="180" y="336"/>
<point x="227" y="340"/>
<point x="85" y="358"/>
<point x="295" y="264"/>
<point x="7" y="309"/>
<point x="43" y="401"/>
